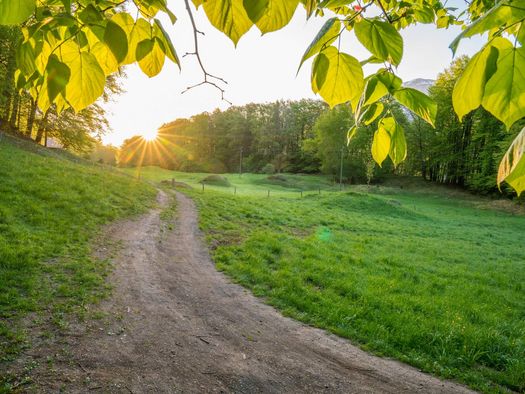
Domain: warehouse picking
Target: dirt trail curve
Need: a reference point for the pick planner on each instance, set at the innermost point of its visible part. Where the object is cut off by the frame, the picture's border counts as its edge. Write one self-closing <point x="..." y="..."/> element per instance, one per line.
<point x="181" y="326"/>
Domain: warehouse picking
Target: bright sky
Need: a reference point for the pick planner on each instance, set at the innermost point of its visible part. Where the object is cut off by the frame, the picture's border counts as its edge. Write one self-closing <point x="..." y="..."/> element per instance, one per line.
<point x="260" y="69"/>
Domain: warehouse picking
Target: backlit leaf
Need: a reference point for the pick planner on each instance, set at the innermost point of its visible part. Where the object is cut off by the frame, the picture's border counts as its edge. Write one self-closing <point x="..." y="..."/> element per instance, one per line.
<point x="14" y="12"/>
<point x="150" y="56"/>
<point x="380" y="145"/>
<point x="270" y="15"/>
<point x="470" y="86"/>
<point x="381" y="39"/>
<point x="326" y="36"/>
<point x="87" y="80"/>
<point x="168" y="47"/>
<point x="337" y="77"/>
<point x="504" y="95"/>
<point x="418" y="102"/>
<point x="512" y="166"/>
<point x="117" y="40"/>
<point x="229" y="16"/>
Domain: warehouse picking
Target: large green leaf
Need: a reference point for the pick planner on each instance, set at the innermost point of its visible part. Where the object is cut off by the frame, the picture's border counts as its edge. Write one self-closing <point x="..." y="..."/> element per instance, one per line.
<point x="25" y="58"/>
<point x="14" y="12"/>
<point x="470" y="86"/>
<point x="87" y="80"/>
<point x="150" y="56"/>
<point x="326" y="36"/>
<point x="270" y="15"/>
<point x="418" y="102"/>
<point x="105" y="58"/>
<point x="140" y="31"/>
<point x="502" y="14"/>
<point x="381" y="39"/>
<point x="168" y="47"/>
<point x="398" y="144"/>
<point x="371" y="113"/>
<point x="381" y="145"/>
<point x="504" y="95"/>
<point x="337" y="77"/>
<point x="512" y="166"/>
<point x="229" y="16"/>
<point x="116" y="39"/>
<point x="57" y="75"/>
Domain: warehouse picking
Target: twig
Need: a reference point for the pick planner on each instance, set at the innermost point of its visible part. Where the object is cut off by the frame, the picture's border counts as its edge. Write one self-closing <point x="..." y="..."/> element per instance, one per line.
<point x="207" y="75"/>
<point x="384" y="11"/>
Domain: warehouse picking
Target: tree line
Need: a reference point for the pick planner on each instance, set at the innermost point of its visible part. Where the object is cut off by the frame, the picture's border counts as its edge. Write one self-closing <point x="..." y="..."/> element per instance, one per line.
<point x="307" y="136"/>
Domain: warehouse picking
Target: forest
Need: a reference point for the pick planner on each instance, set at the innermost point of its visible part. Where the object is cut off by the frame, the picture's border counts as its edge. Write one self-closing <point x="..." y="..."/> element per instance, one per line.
<point x="20" y="113"/>
<point x="307" y="137"/>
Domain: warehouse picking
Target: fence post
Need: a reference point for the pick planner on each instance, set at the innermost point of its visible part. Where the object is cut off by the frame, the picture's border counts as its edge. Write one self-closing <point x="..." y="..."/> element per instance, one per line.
<point x="234" y="190"/>
<point x="202" y="186"/>
<point x="319" y="191"/>
<point x="301" y="194"/>
<point x="172" y="182"/>
<point x="268" y="192"/>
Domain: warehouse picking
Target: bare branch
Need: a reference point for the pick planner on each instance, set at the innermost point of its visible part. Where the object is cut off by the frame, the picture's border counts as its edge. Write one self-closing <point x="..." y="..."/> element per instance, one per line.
<point x="207" y="75"/>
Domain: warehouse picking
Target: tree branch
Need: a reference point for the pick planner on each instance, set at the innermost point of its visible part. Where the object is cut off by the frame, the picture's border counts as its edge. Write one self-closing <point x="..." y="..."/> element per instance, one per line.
<point x="207" y="75"/>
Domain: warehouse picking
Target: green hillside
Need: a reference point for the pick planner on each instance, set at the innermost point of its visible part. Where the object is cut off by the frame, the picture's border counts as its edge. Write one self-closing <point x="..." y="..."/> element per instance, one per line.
<point x="51" y="206"/>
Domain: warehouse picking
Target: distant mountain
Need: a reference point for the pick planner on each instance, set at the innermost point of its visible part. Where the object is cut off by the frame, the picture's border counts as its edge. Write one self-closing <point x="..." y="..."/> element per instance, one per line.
<point x="420" y="84"/>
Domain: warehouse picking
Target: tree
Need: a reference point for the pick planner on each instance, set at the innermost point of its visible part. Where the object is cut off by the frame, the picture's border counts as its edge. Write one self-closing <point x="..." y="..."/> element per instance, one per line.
<point x="69" y="48"/>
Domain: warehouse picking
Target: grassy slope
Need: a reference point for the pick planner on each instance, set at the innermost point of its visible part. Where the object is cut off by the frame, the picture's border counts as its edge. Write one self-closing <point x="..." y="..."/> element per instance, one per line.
<point x="50" y="209"/>
<point x="427" y="279"/>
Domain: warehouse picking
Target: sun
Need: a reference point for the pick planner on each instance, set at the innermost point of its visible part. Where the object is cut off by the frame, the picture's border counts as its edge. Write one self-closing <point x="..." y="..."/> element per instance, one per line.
<point x="150" y="135"/>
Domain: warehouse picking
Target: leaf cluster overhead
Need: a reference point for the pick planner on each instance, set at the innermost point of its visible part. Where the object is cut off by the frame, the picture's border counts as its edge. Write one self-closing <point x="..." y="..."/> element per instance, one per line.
<point x="70" y="47"/>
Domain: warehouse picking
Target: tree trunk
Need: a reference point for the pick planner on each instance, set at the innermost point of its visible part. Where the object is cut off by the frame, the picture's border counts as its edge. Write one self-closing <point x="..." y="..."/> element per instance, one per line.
<point x="41" y="128"/>
<point x="14" y="113"/>
<point x="31" y="118"/>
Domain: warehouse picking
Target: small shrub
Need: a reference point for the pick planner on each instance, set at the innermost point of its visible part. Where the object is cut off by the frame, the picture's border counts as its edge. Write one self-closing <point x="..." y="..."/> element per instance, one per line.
<point x="216" y="180"/>
<point x="268" y="169"/>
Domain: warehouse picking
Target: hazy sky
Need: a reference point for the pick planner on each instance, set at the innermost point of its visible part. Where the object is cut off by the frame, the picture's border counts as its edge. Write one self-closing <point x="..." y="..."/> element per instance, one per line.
<point x="260" y="69"/>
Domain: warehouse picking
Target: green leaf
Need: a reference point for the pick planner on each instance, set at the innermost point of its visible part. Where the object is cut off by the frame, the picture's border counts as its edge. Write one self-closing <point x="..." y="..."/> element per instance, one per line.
<point x="388" y="79"/>
<point x="381" y="39"/>
<point x="57" y="77"/>
<point x="419" y="103"/>
<point x="117" y="40"/>
<point x="374" y="90"/>
<point x="168" y="47"/>
<point x="229" y="16"/>
<point x="87" y="80"/>
<point x="424" y="14"/>
<point x="350" y="134"/>
<point x="371" y="113"/>
<point x="25" y="58"/>
<point x="14" y="12"/>
<point x="270" y="15"/>
<point x="512" y="166"/>
<point x="398" y="144"/>
<point x="504" y="95"/>
<point x="150" y="56"/>
<point x="326" y="36"/>
<point x="380" y="145"/>
<point x="502" y="14"/>
<point x="105" y="58"/>
<point x="337" y="77"/>
<point x="140" y="31"/>
<point x="470" y="86"/>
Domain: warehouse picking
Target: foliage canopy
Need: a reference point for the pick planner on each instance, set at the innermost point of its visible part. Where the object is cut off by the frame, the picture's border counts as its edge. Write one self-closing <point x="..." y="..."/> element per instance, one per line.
<point x="69" y="48"/>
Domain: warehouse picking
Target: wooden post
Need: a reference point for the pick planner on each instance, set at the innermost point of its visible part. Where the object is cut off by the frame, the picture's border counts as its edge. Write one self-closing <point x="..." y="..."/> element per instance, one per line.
<point x="268" y="192"/>
<point x="234" y="190"/>
<point x="319" y="191"/>
<point x="202" y="186"/>
<point x="301" y="194"/>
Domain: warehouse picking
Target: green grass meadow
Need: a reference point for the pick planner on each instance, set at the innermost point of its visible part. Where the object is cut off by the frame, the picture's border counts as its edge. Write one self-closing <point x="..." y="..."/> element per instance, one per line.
<point x="424" y="277"/>
<point x="51" y="208"/>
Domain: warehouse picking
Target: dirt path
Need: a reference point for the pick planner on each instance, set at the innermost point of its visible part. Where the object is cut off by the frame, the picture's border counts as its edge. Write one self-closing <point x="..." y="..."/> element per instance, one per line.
<point x="178" y="325"/>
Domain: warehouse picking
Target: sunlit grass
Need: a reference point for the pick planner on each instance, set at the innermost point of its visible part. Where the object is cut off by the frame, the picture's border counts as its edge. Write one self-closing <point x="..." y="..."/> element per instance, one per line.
<point x="50" y="210"/>
<point x="426" y="279"/>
